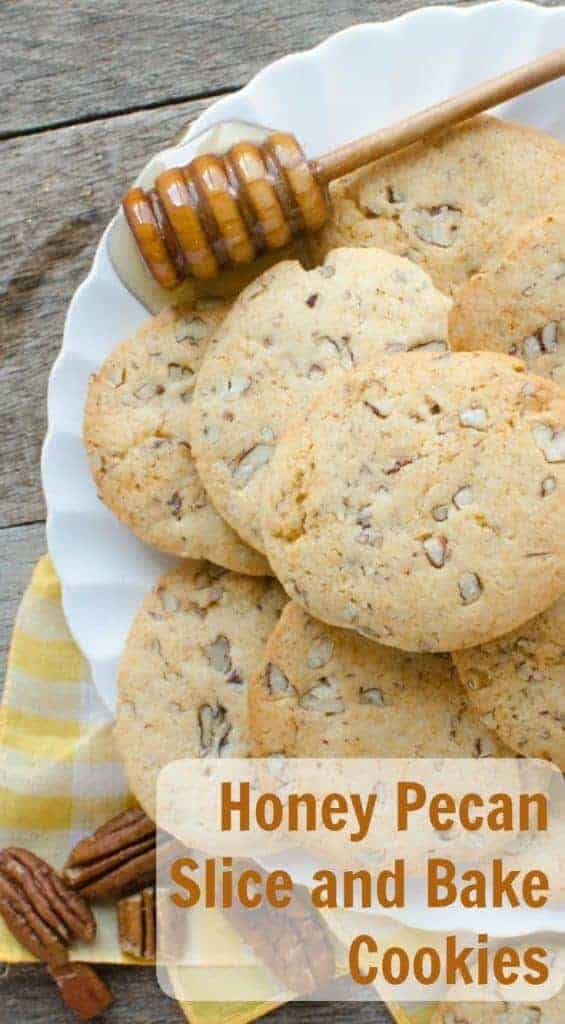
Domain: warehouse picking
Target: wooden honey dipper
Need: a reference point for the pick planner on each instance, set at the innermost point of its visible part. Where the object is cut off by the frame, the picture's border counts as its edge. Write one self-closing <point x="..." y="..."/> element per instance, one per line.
<point x="222" y="211"/>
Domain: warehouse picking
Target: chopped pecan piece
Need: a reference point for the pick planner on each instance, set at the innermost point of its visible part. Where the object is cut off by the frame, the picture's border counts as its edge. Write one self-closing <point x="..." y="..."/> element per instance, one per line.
<point x="172" y="923"/>
<point x="82" y="989"/>
<point x="39" y="909"/>
<point x="136" y="924"/>
<point x="293" y="943"/>
<point x="119" y="858"/>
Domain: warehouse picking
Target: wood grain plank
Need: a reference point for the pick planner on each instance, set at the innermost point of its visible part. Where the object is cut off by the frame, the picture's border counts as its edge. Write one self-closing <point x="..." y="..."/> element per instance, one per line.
<point x="26" y="993"/>
<point x="63" y="62"/>
<point x="61" y="188"/>
<point x="20" y="547"/>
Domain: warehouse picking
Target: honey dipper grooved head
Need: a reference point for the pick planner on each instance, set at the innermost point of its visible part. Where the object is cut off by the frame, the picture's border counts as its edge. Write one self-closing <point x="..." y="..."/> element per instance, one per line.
<point x="223" y="211"/>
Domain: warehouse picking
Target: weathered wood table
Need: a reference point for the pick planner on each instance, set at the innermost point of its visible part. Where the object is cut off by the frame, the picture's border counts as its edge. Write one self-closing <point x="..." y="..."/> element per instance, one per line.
<point x="89" y="88"/>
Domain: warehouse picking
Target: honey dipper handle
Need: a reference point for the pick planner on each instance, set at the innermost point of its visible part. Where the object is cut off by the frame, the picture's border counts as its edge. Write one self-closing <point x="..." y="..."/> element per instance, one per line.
<point x="473" y="101"/>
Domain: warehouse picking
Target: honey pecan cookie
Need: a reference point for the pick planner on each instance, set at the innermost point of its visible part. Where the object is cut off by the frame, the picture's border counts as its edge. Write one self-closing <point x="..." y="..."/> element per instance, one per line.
<point x="517" y="303"/>
<point x="136" y="436"/>
<point x="327" y="692"/>
<point x="451" y="203"/>
<point x="517" y="685"/>
<point x="285" y="335"/>
<point x="323" y="690"/>
<point x="419" y="500"/>
<point x="185" y="669"/>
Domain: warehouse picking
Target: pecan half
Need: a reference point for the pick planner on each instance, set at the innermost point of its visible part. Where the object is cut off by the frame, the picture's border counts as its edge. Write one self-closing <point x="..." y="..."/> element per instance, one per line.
<point x="136" y="924"/>
<point x="39" y="909"/>
<point x="293" y="943"/>
<point x="119" y="858"/>
<point x="82" y="989"/>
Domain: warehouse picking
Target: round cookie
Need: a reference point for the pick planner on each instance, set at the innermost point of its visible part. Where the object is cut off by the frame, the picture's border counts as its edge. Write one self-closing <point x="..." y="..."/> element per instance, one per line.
<point x="185" y="669"/>
<point x="450" y="203"/>
<point x="323" y="690"/>
<point x="517" y="303"/>
<point x="285" y="334"/>
<point x="137" y="439"/>
<point x="327" y="692"/>
<point x="419" y="501"/>
<point x="517" y="685"/>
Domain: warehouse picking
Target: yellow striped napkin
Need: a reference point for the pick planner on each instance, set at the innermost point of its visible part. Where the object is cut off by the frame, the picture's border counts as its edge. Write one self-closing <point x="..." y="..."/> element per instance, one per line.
<point x="60" y="778"/>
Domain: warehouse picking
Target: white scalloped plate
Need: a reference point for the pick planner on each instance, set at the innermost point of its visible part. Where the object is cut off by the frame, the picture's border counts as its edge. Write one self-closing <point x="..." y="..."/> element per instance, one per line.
<point x="354" y="82"/>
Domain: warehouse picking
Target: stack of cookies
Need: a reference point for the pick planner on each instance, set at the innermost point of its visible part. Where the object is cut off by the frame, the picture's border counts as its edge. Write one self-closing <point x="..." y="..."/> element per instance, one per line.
<point x="362" y="465"/>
